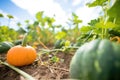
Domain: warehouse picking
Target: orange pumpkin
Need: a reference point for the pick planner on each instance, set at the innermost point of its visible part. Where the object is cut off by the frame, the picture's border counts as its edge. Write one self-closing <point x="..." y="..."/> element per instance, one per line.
<point x="20" y="56"/>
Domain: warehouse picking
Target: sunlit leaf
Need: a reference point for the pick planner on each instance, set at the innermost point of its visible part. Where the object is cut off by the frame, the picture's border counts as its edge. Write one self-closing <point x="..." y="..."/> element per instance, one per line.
<point x="97" y="3"/>
<point x="74" y="15"/>
<point x="7" y="34"/>
<point x="27" y="21"/>
<point x="39" y="15"/>
<point x="55" y="59"/>
<point x="19" y="24"/>
<point x="1" y="15"/>
<point x="49" y="20"/>
<point x="58" y="26"/>
<point x="60" y="35"/>
<point x="110" y="25"/>
<point x="75" y="19"/>
<point x="85" y="29"/>
<point x="105" y="25"/>
<point x="93" y="22"/>
<point x="67" y="43"/>
<point x="21" y="30"/>
<point x="10" y="16"/>
<point x="36" y="23"/>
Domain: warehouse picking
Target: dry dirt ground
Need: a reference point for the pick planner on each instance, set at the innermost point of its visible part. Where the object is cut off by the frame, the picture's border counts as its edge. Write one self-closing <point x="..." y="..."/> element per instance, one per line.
<point x="41" y="69"/>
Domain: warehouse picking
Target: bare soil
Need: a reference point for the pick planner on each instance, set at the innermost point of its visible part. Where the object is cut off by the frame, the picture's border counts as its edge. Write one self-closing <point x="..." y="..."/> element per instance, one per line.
<point x="42" y="69"/>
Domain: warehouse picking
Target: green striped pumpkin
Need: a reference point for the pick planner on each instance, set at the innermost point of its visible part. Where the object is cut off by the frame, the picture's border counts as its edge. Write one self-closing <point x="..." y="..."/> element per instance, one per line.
<point x="96" y="60"/>
<point x="5" y="46"/>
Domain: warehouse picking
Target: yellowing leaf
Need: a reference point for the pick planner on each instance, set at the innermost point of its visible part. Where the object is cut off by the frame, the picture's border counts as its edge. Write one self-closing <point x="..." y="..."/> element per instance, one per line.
<point x="67" y="43"/>
<point x="60" y="35"/>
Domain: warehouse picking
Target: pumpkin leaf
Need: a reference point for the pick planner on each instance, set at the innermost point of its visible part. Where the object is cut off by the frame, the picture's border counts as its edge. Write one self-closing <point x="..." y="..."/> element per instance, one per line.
<point x="67" y="43"/>
<point x="60" y="35"/>
<point x="49" y="21"/>
<point x="39" y="16"/>
<point x="86" y="29"/>
<point x="1" y="15"/>
<point x="93" y="22"/>
<point x="27" y="21"/>
<point x="76" y="19"/>
<point x="54" y="59"/>
<point x="114" y="12"/>
<point x="36" y="23"/>
<point x="19" y="24"/>
<point x="107" y="25"/>
<point x="10" y="16"/>
<point x="97" y="3"/>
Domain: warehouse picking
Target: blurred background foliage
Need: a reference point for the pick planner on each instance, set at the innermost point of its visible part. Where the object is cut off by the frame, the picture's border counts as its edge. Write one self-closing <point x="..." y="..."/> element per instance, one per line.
<point x="43" y="30"/>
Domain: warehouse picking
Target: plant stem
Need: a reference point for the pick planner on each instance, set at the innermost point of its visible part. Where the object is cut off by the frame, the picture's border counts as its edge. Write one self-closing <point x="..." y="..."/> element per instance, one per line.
<point x="114" y="20"/>
<point x="54" y="50"/>
<point x="24" y="74"/>
<point x="24" y="41"/>
<point x="88" y="36"/>
<point x="42" y="44"/>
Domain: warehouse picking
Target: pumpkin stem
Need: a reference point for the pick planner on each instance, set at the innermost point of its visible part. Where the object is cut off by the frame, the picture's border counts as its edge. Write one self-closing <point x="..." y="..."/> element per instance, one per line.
<point x="24" y="41"/>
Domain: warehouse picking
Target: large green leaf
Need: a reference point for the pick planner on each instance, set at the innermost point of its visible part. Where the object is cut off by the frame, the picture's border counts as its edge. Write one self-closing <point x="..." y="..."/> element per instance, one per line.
<point x="114" y="12"/>
<point x="106" y="25"/>
<point x="97" y="3"/>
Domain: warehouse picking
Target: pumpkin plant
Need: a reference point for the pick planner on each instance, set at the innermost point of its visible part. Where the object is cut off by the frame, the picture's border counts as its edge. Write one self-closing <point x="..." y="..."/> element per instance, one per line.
<point x="21" y="55"/>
